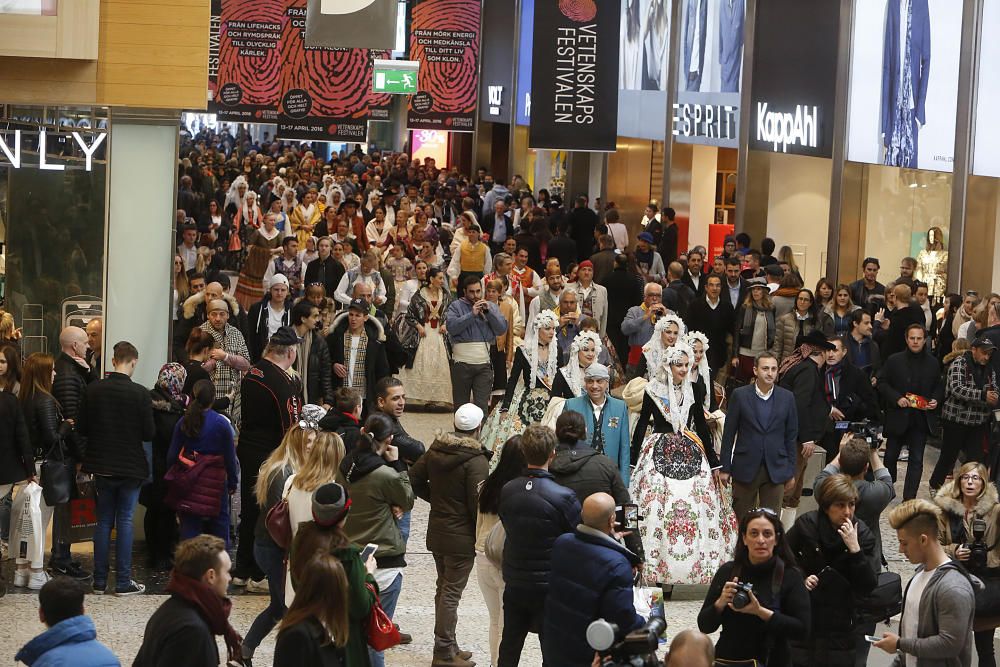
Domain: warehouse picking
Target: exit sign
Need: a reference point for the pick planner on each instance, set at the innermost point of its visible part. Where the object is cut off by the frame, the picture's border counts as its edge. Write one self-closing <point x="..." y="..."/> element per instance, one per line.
<point x="398" y="77"/>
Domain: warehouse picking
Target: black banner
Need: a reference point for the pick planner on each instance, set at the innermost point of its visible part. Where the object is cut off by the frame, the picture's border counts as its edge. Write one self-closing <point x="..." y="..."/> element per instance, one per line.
<point x="574" y="79"/>
<point x="352" y="24"/>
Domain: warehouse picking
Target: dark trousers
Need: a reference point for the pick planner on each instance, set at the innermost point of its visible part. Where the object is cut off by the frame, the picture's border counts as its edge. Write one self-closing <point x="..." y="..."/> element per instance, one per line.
<point x="475" y="380"/>
<point x="452" y="576"/>
<point x="523" y="612"/>
<point x="250" y="463"/>
<point x="160" y="525"/>
<point x="218" y="525"/>
<point x="956" y="438"/>
<point x="914" y="438"/>
<point x="984" y="648"/>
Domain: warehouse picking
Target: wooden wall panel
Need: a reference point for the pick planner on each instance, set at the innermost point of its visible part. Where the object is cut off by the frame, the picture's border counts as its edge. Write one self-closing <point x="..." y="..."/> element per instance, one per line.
<point x="152" y="54"/>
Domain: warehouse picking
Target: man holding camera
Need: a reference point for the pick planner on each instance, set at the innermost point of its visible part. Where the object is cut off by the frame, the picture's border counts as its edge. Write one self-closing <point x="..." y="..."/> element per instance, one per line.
<point x="473" y="324"/>
<point x="591" y="579"/>
<point x="970" y="398"/>
<point x="640" y="322"/>
<point x="849" y="394"/>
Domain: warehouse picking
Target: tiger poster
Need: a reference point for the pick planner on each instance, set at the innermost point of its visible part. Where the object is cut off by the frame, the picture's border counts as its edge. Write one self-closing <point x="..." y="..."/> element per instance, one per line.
<point x="245" y="67"/>
<point x="444" y="38"/>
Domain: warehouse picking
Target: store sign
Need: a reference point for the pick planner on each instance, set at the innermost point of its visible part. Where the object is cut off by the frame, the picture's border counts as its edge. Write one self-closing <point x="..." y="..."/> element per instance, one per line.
<point x="398" y="77"/>
<point x="496" y="74"/>
<point x="495" y="99"/>
<point x="15" y="158"/>
<point x="787" y="129"/>
<point x="574" y="79"/>
<point x="707" y="121"/>
<point x="796" y="47"/>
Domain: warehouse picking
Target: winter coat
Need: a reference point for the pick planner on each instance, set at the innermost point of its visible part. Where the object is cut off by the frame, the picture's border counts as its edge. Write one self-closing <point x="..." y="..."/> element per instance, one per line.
<point x="166" y="413"/>
<point x="535" y="510"/>
<point x="375" y="486"/>
<point x="69" y="388"/>
<point x="16" y="460"/>
<point x="376" y="363"/>
<point x="820" y="551"/>
<point x="255" y="332"/>
<point x="307" y="643"/>
<point x="344" y="425"/>
<point x="906" y="372"/>
<point x="117" y="419"/>
<point x="72" y="641"/>
<point x="214" y="439"/>
<point x="805" y="380"/>
<point x="591" y="579"/>
<point x="955" y="528"/>
<point x="787" y="330"/>
<point x="176" y="634"/>
<point x="319" y="371"/>
<point x="448" y="476"/>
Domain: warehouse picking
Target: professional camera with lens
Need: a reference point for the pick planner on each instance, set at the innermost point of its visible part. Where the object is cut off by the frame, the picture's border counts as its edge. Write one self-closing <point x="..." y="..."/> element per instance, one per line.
<point x="637" y="649"/>
<point x="977" y="548"/>
<point x="864" y="429"/>
<point x="742" y="596"/>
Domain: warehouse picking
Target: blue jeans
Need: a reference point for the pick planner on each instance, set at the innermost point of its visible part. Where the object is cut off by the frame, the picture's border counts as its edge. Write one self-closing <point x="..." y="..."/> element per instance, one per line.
<point x="388" y="598"/>
<point x="116" y="501"/>
<point x="271" y="560"/>
<point x="193" y="526"/>
<point x="404" y="526"/>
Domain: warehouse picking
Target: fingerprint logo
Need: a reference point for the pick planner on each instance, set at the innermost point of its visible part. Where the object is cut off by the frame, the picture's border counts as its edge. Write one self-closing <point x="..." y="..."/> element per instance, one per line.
<point x="578" y="10"/>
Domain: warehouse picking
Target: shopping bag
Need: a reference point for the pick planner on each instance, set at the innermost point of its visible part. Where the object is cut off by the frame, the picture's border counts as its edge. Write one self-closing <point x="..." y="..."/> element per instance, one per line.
<point x="27" y="532"/>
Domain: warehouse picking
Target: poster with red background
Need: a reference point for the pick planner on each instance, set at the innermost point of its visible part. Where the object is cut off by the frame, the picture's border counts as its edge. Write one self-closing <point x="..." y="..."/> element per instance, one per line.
<point x="246" y="60"/>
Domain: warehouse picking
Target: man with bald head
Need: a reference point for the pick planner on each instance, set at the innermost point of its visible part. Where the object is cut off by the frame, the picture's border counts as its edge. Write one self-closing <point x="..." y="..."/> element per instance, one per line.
<point x="73" y="374"/>
<point x="591" y="578"/>
<point x="691" y="648"/>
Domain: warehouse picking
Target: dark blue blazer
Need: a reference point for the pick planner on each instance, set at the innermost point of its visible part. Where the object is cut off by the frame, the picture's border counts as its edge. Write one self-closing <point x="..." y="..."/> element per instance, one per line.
<point x="920" y="61"/>
<point x="772" y="444"/>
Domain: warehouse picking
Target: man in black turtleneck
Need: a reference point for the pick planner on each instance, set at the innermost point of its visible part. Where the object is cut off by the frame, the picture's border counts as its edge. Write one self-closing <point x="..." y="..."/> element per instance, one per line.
<point x="910" y="386"/>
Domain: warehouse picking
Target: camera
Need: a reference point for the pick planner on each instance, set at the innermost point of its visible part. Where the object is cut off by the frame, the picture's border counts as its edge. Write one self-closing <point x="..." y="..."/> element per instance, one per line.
<point x="864" y="429"/>
<point x="627" y="517"/>
<point x="636" y="649"/>
<point x="978" y="549"/>
<point x="742" y="596"/>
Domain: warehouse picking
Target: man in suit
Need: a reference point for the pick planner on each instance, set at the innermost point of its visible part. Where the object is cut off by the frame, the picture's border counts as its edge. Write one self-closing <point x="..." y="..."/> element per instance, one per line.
<point x="695" y="32"/>
<point x="736" y="287"/>
<point x="498" y="225"/>
<point x="694" y="276"/>
<point x="606" y="418"/>
<point x="715" y="317"/>
<point x="759" y="442"/>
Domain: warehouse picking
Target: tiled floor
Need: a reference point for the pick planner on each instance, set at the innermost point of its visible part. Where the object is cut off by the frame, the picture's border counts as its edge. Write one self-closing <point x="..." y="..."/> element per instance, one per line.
<point x="120" y="622"/>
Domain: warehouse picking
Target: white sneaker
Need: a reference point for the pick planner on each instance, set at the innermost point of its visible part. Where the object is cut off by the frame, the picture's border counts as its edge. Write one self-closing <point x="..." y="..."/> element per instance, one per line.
<point x="259" y="587"/>
<point x="904" y="455"/>
<point x="239" y="582"/>
<point x="38" y="579"/>
<point x="21" y="577"/>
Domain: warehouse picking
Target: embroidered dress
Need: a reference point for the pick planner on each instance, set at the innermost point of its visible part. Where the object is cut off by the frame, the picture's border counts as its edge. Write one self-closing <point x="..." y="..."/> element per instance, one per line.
<point x="687" y="523"/>
<point x="428" y="381"/>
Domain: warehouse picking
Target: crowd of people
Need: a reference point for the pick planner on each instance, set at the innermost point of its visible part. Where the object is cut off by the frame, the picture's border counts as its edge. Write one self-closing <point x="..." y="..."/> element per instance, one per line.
<point x="626" y="418"/>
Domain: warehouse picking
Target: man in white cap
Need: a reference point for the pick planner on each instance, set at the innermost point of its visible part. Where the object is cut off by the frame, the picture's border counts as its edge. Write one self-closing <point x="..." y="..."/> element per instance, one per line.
<point x="267" y="316"/>
<point x="606" y="418"/>
<point x="448" y="477"/>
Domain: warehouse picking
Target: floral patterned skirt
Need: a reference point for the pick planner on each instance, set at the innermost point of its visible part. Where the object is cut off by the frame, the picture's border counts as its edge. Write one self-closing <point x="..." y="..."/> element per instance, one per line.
<point x="687" y="523"/>
<point x="526" y="408"/>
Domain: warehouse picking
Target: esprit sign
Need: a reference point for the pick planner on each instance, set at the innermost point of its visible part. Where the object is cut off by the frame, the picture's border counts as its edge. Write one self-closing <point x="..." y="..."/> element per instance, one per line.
<point x="784" y="129"/>
<point x="12" y="150"/>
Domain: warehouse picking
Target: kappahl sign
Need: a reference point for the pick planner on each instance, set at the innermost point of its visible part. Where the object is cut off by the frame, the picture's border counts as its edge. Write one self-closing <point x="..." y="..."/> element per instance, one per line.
<point x="574" y="78"/>
<point x="789" y="128"/>
<point x="10" y="147"/>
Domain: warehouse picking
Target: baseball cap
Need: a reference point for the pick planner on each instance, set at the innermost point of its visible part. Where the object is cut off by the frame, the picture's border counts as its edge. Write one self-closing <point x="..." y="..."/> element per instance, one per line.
<point x="359" y="304"/>
<point x="984" y="343"/>
<point x="598" y="371"/>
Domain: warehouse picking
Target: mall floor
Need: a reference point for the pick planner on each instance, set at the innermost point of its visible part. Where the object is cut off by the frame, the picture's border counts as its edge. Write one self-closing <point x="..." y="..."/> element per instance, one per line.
<point x="120" y="621"/>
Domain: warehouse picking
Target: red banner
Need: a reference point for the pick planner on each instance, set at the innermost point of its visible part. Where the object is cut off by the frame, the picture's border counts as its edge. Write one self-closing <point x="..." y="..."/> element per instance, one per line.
<point x="247" y="83"/>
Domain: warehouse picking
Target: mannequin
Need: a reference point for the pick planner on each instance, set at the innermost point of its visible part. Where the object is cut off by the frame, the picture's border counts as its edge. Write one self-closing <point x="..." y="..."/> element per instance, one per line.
<point x="932" y="264"/>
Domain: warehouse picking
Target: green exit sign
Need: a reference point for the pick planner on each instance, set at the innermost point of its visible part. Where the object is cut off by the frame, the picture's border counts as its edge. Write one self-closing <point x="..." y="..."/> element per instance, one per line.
<point x="398" y="77"/>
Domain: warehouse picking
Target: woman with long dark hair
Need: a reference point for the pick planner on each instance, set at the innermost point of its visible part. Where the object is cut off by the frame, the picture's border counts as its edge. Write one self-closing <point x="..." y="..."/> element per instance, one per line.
<point x="315" y="629"/>
<point x="792" y="327"/>
<point x="757" y="621"/>
<point x="511" y="464"/>
<point x="10" y="369"/>
<point x="205" y="434"/>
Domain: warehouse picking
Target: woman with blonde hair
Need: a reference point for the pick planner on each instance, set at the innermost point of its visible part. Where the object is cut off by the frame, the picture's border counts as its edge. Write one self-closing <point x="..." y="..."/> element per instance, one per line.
<point x="182" y="290"/>
<point x="840" y="308"/>
<point x="969" y="531"/>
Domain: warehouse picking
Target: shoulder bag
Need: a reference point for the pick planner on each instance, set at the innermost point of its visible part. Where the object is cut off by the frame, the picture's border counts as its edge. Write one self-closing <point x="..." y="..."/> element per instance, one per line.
<point x="382" y="632"/>
<point x="884" y="602"/>
<point x="279" y="524"/>
<point x="57" y="476"/>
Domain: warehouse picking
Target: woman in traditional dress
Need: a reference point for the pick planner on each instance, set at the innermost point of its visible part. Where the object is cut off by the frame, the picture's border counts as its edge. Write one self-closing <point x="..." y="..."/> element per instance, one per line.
<point x="427" y="381"/>
<point x="529" y="388"/>
<point x="700" y="373"/>
<point x="377" y="229"/>
<point x="687" y="523"/>
<point x="584" y="350"/>
<point x="262" y="245"/>
<point x="666" y="333"/>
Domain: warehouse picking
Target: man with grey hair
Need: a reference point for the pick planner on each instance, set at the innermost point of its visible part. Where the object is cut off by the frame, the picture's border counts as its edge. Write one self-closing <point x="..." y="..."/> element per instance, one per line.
<point x="639" y="323"/>
<point x="606" y="418"/>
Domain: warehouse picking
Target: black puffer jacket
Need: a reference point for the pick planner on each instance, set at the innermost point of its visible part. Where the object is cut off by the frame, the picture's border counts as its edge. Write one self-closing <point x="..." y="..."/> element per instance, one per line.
<point x="118" y="418"/>
<point x="16" y="461"/>
<point x="535" y="510"/>
<point x="319" y="376"/>
<point x="70" y="388"/>
<point x="820" y="551"/>
<point x="43" y="416"/>
<point x="584" y="471"/>
<point x="448" y="476"/>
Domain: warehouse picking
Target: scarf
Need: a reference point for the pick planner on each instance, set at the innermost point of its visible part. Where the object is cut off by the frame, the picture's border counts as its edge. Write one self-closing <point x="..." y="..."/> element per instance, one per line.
<point x="213" y="609"/>
<point x="674" y="401"/>
<point x="750" y="317"/>
<point x="702" y="370"/>
<point x="171" y="379"/>
<point x="831" y="382"/>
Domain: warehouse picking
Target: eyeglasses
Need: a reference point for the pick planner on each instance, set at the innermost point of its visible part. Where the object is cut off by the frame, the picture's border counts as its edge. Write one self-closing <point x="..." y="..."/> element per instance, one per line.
<point x="971" y="478"/>
<point x="972" y="292"/>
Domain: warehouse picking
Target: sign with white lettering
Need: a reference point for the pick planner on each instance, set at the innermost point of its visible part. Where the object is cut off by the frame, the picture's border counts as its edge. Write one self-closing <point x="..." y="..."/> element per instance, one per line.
<point x="14" y="155"/>
<point x="707" y="121"/>
<point x="574" y="78"/>
<point x="794" y="77"/>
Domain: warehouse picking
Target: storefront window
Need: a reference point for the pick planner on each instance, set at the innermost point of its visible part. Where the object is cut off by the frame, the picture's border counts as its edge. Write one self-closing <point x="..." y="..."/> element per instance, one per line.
<point x="52" y="222"/>
<point x="907" y="213"/>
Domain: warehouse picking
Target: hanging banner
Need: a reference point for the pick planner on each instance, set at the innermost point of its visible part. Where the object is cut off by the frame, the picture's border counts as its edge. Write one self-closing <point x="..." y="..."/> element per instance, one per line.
<point x="574" y="79"/>
<point x="325" y="93"/>
<point x="379" y="104"/>
<point x="445" y="39"/>
<point x="248" y="74"/>
<point x="352" y="24"/>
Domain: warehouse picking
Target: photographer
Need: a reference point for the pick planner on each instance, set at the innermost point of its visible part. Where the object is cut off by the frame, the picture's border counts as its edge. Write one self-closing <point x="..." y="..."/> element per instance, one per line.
<point x="849" y="394"/>
<point x="759" y="598"/>
<point x="970" y="398"/>
<point x="591" y="578"/>
<point x="969" y="533"/>
<point x="836" y="551"/>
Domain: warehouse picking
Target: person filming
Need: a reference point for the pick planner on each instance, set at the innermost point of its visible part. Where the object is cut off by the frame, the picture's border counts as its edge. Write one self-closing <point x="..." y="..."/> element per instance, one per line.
<point x="759" y="598"/>
<point x="837" y="553"/>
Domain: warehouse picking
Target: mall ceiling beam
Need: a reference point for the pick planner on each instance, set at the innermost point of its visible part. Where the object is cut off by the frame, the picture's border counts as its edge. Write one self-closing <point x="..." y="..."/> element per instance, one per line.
<point x="840" y="113"/>
<point x="673" y="69"/>
<point x="746" y="98"/>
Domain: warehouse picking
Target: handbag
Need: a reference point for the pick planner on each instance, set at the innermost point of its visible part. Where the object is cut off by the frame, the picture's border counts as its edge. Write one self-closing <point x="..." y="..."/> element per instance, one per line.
<point x="382" y="632"/>
<point x="277" y="521"/>
<point x="884" y="602"/>
<point x="57" y="476"/>
<point x="495" y="541"/>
